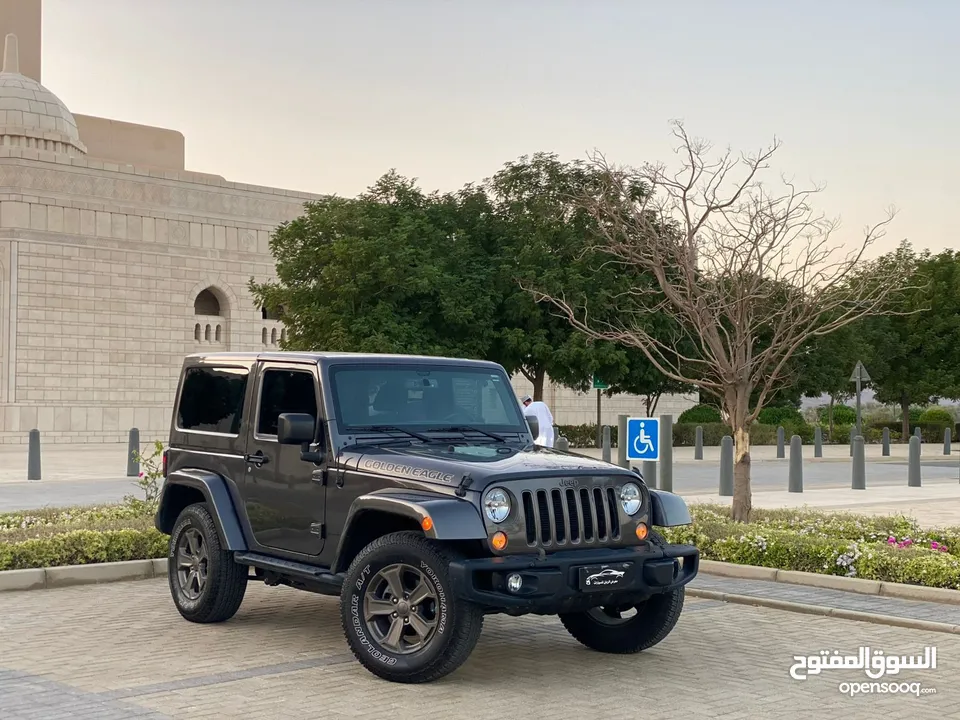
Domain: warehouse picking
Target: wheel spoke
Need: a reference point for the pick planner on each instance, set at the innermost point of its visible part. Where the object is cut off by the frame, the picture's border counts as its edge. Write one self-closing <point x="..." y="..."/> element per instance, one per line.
<point x="421" y="592"/>
<point x="191" y="579"/>
<point x="183" y="559"/>
<point x="394" y="581"/>
<point x="420" y="626"/>
<point x="376" y="607"/>
<point x="392" y="638"/>
<point x="191" y="537"/>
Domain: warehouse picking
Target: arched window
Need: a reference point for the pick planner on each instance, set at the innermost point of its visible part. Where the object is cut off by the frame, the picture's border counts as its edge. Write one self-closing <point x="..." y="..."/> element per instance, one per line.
<point x="268" y="314"/>
<point x="206" y="303"/>
<point x="206" y="333"/>
<point x="273" y="336"/>
<point x="283" y="336"/>
<point x="263" y="336"/>
<point x="218" y="334"/>
<point x="197" y="332"/>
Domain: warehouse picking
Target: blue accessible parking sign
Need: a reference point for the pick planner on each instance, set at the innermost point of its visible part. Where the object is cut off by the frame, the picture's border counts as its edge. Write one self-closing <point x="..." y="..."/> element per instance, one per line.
<point x="643" y="438"/>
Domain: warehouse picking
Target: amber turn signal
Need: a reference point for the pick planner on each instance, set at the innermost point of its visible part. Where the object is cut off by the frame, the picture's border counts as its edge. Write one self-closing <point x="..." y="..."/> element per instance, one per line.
<point x="427" y="523"/>
<point x="642" y="531"/>
<point x="499" y="541"/>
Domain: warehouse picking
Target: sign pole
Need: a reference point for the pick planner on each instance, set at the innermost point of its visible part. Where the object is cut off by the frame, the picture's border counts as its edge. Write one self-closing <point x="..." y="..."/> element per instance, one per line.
<point x="859" y="376"/>
<point x="599" y="416"/>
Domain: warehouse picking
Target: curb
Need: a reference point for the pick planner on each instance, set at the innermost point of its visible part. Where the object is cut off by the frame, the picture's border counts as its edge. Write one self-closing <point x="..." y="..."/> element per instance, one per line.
<point x="92" y="574"/>
<point x="823" y="611"/>
<point x="879" y="588"/>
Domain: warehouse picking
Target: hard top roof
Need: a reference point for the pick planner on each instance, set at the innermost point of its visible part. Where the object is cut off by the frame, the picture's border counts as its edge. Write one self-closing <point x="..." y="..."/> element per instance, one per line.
<point x="324" y="357"/>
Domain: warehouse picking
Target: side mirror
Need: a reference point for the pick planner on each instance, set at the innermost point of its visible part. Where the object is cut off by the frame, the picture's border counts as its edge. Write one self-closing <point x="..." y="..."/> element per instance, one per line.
<point x="533" y="424"/>
<point x="296" y="428"/>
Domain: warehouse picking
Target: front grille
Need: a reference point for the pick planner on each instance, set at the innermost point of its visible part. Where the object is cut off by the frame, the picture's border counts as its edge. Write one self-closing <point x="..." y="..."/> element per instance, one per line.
<point x="568" y="516"/>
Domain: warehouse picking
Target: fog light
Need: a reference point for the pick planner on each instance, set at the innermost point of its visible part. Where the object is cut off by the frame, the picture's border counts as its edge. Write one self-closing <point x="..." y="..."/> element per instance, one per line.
<point x="514" y="583"/>
<point x="642" y="531"/>
<point x="499" y="541"/>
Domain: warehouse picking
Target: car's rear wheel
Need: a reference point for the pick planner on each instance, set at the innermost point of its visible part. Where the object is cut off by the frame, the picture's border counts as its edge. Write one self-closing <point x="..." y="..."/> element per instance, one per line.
<point x="626" y="629"/>
<point x="399" y="617"/>
<point x="206" y="584"/>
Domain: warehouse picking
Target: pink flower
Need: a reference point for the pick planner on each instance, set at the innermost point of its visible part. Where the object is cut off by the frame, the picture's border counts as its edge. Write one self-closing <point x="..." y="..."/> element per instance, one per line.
<point x="934" y="544"/>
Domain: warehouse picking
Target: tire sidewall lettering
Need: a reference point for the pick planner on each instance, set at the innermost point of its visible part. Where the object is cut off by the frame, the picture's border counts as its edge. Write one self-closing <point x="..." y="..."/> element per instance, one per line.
<point x="442" y="608"/>
<point x="357" y="623"/>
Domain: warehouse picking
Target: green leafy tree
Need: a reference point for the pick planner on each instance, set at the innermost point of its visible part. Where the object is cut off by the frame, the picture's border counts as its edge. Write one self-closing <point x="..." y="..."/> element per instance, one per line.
<point x="915" y="359"/>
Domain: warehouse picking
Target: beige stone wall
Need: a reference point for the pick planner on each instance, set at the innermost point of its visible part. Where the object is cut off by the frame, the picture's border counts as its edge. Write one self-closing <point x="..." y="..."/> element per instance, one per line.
<point x="107" y="263"/>
<point x="130" y="143"/>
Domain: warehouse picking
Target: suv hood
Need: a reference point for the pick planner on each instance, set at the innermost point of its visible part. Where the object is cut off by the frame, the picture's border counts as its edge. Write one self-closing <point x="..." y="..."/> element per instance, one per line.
<point x="445" y="464"/>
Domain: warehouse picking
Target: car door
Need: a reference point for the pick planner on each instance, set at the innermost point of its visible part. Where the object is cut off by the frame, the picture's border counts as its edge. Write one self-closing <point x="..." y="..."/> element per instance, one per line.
<point x="284" y="495"/>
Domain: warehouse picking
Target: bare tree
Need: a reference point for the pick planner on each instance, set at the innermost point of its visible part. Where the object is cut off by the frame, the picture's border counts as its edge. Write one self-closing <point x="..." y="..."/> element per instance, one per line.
<point x="748" y="273"/>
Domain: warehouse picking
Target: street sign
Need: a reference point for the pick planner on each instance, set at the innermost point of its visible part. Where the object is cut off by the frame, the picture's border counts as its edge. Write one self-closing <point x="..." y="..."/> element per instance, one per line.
<point x="860" y="373"/>
<point x="643" y="438"/>
<point x="859" y="376"/>
<point x="599" y="384"/>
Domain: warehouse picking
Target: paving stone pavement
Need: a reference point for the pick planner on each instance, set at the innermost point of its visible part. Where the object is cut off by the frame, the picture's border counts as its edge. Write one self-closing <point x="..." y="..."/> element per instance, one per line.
<point x="880" y="605"/>
<point x="120" y="651"/>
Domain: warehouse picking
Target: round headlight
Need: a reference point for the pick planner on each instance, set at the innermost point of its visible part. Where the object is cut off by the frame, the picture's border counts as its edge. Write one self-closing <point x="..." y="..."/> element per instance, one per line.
<point x="630" y="499"/>
<point x="496" y="504"/>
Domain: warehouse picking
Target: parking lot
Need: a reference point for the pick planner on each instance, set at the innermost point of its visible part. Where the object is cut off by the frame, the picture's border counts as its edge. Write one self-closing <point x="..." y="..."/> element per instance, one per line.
<point x="120" y="651"/>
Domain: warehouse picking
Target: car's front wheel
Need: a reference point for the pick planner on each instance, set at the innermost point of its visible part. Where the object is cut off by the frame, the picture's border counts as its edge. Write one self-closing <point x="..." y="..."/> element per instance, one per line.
<point x="206" y="584"/>
<point x="626" y="629"/>
<point x="398" y="614"/>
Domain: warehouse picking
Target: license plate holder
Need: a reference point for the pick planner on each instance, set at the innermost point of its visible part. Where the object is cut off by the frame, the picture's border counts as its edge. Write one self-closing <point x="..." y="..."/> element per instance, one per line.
<point x="605" y="577"/>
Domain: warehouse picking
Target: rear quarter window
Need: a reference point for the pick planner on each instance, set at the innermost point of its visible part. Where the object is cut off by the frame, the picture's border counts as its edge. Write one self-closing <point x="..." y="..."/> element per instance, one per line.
<point x="211" y="400"/>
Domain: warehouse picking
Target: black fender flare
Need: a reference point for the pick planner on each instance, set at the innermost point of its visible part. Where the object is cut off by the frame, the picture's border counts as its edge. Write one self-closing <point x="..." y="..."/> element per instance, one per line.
<point x="668" y="509"/>
<point x="450" y="518"/>
<point x="215" y="492"/>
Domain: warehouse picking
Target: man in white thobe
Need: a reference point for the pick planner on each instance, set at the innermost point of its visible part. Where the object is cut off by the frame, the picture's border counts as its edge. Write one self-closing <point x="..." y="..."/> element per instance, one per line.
<point x="544" y="417"/>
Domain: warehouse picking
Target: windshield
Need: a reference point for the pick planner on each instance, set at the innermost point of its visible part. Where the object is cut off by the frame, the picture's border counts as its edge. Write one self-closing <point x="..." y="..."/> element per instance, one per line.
<point x="424" y="397"/>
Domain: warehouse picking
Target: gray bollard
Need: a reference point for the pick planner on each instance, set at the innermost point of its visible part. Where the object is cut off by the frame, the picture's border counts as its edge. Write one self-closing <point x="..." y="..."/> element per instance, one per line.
<point x="563" y="445"/>
<point x="605" y="444"/>
<point x="795" y="483"/>
<point x="859" y="479"/>
<point x="946" y="441"/>
<point x="780" y="442"/>
<point x="818" y="441"/>
<point x="622" y="441"/>
<point x="913" y="464"/>
<point x="886" y="442"/>
<point x="649" y="470"/>
<point x="726" y="466"/>
<point x="853" y="434"/>
<point x="33" y="456"/>
<point x="133" y="447"/>
<point x="698" y="448"/>
<point x="665" y="481"/>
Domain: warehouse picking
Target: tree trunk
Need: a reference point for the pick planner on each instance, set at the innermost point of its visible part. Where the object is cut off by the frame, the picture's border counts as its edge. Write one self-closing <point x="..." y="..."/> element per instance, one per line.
<point x="742" y="501"/>
<point x="830" y="417"/>
<point x="905" y="410"/>
<point x="737" y="400"/>
<point x="538" y="378"/>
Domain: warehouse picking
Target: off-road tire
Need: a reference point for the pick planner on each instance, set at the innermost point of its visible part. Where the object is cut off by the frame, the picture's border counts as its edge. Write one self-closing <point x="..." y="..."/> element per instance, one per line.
<point x="654" y="620"/>
<point x="226" y="580"/>
<point x="458" y="623"/>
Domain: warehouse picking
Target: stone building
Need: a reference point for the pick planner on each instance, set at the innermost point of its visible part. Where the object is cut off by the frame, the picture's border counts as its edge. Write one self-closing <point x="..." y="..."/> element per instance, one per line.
<point x="115" y="261"/>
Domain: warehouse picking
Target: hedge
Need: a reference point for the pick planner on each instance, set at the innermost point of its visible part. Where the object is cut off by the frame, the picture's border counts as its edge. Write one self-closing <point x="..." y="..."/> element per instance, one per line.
<point x="684" y="434"/>
<point x="885" y="548"/>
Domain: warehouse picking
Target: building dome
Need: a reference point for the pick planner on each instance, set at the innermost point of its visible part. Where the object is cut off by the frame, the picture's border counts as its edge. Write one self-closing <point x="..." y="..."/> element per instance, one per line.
<point x="30" y="115"/>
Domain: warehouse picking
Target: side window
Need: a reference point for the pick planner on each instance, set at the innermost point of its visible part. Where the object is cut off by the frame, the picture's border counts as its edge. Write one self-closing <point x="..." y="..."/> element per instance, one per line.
<point x="212" y="400"/>
<point x="285" y="391"/>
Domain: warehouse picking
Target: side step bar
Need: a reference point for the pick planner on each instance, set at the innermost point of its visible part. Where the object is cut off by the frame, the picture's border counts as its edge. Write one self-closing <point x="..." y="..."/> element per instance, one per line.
<point x="298" y="570"/>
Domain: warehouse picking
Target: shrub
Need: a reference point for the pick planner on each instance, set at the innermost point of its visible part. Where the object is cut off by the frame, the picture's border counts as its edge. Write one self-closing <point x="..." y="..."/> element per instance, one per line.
<point x="780" y="416"/>
<point x="842" y="415"/>
<point x="585" y="436"/>
<point x="700" y="415"/>
<point x="936" y="415"/>
<point x="82" y="547"/>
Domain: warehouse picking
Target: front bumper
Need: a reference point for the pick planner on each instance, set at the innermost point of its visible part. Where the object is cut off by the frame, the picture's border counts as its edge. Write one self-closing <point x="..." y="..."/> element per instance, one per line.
<point x="555" y="583"/>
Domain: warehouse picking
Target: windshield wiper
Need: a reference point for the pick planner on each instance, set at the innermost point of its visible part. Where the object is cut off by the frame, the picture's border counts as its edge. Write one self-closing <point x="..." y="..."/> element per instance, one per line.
<point x="393" y="428"/>
<point x="469" y="428"/>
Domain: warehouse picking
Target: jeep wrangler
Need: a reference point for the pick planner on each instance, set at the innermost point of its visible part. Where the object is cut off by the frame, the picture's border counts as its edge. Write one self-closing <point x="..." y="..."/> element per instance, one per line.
<point x="409" y="487"/>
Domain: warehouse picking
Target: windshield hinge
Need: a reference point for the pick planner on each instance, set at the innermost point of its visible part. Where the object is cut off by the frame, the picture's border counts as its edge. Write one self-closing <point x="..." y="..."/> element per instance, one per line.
<point x="465" y="482"/>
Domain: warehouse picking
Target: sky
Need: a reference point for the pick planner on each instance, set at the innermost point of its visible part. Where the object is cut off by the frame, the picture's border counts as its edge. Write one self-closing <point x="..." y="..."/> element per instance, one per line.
<point x="325" y="96"/>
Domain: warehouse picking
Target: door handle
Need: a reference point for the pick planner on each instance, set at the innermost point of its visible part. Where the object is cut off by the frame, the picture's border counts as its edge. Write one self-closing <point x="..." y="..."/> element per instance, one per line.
<point x="258" y="459"/>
